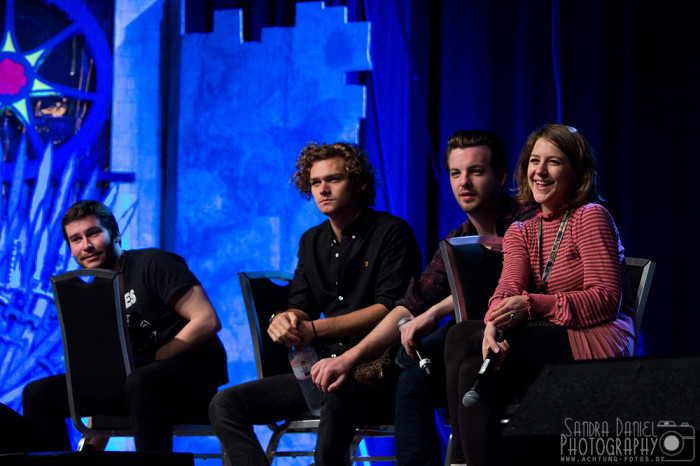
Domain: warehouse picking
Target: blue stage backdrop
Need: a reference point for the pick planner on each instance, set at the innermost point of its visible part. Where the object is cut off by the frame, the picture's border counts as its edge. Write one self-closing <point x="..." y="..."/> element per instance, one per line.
<point x="55" y="92"/>
<point x="246" y="111"/>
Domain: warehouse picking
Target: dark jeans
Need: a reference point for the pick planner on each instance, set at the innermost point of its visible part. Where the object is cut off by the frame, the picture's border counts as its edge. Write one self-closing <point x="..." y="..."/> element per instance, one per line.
<point x="417" y="398"/>
<point x="16" y="435"/>
<point x="475" y="430"/>
<point x="158" y="395"/>
<point x="235" y="410"/>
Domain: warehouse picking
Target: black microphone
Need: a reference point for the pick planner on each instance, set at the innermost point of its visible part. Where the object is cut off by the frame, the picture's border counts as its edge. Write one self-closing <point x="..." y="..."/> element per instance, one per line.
<point x="471" y="398"/>
<point x="423" y="363"/>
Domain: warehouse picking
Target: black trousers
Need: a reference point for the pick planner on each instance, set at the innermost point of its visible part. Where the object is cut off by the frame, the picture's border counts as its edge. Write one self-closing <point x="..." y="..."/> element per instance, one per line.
<point x="235" y="410"/>
<point x="475" y="430"/>
<point x="417" y="397"/>
<point x="16" y="435"/>
<point x="158" y="395"/>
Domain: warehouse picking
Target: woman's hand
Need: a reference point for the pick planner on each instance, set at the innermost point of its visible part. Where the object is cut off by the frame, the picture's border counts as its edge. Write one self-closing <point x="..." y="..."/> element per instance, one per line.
<point x="510" y="312"/>
<point x="490" y="343"/>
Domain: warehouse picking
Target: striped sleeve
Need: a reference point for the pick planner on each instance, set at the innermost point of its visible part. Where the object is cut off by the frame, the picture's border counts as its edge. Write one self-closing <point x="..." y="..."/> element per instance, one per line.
<point x="598" y="300"/>
<point x="516" y="266"/>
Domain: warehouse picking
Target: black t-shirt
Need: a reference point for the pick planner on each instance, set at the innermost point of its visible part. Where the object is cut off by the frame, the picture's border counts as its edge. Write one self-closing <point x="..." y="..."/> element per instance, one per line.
<point x="151" y="278"/>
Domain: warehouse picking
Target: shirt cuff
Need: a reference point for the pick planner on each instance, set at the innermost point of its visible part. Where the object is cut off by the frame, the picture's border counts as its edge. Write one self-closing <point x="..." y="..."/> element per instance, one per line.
<point x="543" y="305"/>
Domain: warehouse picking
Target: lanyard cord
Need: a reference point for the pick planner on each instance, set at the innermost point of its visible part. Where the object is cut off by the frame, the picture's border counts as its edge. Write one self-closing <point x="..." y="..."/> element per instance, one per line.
<point x="544" y="277"/>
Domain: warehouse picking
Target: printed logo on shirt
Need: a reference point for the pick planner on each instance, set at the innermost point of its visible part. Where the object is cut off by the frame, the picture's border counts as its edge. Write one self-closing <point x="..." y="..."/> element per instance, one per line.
<point x="129" y="298"/>
<point x="366" y="264"/>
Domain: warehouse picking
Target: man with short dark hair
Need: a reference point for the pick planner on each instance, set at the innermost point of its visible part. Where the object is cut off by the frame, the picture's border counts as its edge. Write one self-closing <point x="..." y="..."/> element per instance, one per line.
<point x="172" y="324"/>
<point x="352" y="268"/>
<point x="478" y="168"/>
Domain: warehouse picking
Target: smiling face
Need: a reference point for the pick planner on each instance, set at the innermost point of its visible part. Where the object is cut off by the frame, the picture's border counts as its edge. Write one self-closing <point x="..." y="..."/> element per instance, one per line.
<point x="91" y="244"/>
<point x="549" y="175"/>
<point x="332" y="189"/>
<point x="474" y="183"/>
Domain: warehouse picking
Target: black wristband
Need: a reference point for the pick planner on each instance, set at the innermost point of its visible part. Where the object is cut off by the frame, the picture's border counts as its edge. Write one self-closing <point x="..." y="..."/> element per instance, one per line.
<point x="313" y="327"/>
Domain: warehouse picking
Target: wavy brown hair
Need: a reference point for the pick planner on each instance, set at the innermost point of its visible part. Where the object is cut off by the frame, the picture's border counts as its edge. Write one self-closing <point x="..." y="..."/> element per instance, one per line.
<point x="357" y="166"/>
<point x="584" y="188"/>
<point x="478" y="137"/>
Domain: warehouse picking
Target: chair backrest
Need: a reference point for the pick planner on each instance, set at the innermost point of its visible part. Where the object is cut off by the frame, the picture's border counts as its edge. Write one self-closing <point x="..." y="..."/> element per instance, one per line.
<point x="263" y="297"/>
<point x="641" y="272"/>
<point x="96" y="346"/>
<point x="473" y="265"/>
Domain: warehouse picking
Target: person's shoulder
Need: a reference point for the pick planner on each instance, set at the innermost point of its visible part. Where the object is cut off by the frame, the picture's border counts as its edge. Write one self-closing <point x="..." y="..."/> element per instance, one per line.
<point x="381" y="221"/>
<point x="592" y="212"/>
<point x="386" y="217"/>
<point x="314" y="230"/>
<point x="150" y="255"/>
<point x="522" y="224"/>
<point x="317" y="233"/>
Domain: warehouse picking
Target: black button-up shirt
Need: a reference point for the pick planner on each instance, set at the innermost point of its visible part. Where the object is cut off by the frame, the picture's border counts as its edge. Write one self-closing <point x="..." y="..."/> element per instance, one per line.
<point x="372" y="264"/>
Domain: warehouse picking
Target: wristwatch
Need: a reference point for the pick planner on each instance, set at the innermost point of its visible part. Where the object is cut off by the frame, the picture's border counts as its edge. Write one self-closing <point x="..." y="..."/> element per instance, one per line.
<point x="269" y="321"/>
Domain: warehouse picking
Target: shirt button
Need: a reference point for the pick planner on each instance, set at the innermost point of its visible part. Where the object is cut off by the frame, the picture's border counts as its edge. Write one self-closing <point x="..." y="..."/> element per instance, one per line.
<point x="340" y="298"/>
<point x="353" y="236"/>
<point x="336" y="254"/>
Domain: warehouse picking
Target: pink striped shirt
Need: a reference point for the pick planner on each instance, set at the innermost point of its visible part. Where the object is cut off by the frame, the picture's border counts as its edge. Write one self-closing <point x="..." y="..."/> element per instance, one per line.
<point x="588" y="291"/>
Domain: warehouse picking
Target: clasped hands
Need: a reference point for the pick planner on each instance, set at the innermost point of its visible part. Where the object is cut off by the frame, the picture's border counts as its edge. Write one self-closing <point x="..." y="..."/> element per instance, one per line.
<point x="288" y="329"/>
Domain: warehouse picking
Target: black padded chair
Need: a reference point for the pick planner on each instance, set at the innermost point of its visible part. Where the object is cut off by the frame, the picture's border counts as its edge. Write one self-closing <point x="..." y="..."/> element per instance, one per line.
<point x="472" y="286"/>
<point x="264" y="294"/>
<point x="641" y="272"/>
<point x="97" y="354"/>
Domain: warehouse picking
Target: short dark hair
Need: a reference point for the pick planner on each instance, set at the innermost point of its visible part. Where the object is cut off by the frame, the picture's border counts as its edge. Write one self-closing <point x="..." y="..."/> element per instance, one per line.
<point x="82" y="209"/>
<point x="357" y="166"/>
<point x="570" y="141"/>
<point x="479" y="137"/>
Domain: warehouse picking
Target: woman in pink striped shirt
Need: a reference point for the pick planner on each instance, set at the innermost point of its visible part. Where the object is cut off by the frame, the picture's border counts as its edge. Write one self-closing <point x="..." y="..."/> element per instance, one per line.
<point x="563" y="294"/>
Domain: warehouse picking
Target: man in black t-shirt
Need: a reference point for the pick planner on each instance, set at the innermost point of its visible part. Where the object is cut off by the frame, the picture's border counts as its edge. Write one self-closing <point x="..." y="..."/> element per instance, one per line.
<point x="172" y="324"/>
<point x="352" y="268"/>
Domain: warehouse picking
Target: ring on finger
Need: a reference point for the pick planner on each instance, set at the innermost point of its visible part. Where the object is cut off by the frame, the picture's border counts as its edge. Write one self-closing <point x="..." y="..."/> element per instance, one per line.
<point x="512" y="316"/>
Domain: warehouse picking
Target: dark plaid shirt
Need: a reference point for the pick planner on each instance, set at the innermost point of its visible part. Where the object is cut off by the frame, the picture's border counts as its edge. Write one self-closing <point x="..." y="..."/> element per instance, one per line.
<point x="433" y="286"/>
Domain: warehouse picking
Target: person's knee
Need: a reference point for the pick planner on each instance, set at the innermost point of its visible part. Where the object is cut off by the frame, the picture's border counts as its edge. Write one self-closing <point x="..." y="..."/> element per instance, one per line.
<point x="30" y="394"/>
<point x="228" y="404"/>
<point x="36" y="394"/>
<point x="412" y="387"/>
<point x="136" y="384"/>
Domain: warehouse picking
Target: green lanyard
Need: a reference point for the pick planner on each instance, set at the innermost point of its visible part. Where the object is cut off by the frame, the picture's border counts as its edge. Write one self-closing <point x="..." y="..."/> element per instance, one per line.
<point x="544" y="277"/>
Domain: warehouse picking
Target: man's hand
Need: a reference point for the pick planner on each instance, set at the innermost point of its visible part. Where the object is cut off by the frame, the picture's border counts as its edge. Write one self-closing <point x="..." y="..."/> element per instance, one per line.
<point x="289" y="330"/>
<point x="414" y="330"/>
<point x="330" y="373"/>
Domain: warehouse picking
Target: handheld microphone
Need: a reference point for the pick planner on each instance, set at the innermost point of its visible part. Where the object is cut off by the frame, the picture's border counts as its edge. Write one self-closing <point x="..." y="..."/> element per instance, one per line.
<point x="471" y="398"/>
<point x="423" y="363"/>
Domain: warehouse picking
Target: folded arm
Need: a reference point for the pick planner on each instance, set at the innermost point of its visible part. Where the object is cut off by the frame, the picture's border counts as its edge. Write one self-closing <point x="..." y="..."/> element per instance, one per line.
<point x="202" y="322"/>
